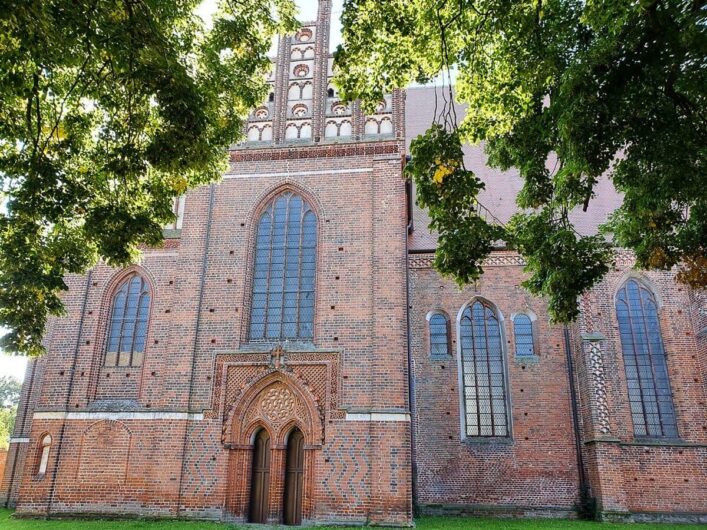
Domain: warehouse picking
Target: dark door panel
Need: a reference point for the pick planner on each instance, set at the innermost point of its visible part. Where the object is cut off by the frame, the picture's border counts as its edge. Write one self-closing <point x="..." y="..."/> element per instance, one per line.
<point x="294" y="478"/>
<point x="260" y="479"/>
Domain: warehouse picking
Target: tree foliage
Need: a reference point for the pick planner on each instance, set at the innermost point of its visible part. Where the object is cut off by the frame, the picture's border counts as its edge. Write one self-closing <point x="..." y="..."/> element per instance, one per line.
<point x="7" y="425"/>
<point x="10" y="388"/>
<point x="109" y="110"/>
<point x="448" y="190"/>
<point x="566" y="91"/>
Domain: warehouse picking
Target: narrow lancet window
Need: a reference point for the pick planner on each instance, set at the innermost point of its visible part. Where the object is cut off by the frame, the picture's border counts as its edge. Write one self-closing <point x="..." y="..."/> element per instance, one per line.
<point x="483" y="369"/>
<point x="439" y="335"/>
<point x="44" y="454"/>
<point x="523" y="333"/>
<point x="283" y="279"/>
<point x="649" y="393"/>
<point x="130" y="311"/>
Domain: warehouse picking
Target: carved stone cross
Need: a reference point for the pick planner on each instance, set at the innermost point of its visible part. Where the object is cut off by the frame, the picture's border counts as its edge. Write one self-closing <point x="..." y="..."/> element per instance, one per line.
<point x="277" y="357"/>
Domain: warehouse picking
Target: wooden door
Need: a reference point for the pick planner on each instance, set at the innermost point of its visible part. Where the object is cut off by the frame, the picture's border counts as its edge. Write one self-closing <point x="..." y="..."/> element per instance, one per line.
<point x="294" y="478"/>
<point x="260" y="479"/>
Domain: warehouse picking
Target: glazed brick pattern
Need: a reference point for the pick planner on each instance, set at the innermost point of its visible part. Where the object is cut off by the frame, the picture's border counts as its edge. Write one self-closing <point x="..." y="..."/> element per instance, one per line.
<point x="533" y="471"/>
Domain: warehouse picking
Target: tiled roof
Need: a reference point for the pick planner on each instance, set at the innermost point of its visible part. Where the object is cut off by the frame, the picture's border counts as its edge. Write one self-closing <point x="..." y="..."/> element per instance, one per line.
<point x="501" y="186"/>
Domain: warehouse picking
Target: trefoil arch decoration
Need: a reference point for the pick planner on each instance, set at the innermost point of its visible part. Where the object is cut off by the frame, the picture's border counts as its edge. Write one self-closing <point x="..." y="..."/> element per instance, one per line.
<point x="300" y="110"/>
<point x="304" y="35"/>
<point x="301" y="70"/>
<point x="262" y="113"/>
<point x="277" y="401"/>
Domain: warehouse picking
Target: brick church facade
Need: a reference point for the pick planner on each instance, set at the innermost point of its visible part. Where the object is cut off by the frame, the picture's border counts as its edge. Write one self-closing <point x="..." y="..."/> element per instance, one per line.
<point x="290" y="355"/>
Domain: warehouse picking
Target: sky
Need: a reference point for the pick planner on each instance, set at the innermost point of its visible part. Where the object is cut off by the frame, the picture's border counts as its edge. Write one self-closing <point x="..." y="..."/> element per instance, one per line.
<point x="16" y="366"/>
<point x="307" y="13"/>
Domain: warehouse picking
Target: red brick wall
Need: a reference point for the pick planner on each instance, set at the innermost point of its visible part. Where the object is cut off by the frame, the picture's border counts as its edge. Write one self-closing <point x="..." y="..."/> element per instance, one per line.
<point x="629" y="474"/>
<point x="155" y="467"/>
<point x="199" y="366"/>
<point x="630" y="478"/>
<point x="536" y="469"/>
<point x="105" y="467"/>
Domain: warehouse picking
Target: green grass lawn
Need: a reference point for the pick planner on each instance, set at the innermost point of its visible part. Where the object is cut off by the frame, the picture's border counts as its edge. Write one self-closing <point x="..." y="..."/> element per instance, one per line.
<point x="424" y="523"/>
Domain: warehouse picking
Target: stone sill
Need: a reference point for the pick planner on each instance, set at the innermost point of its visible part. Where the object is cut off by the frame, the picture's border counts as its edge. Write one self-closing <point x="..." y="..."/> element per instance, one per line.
<point x="487" y="441"/>
<point x="169" y="233"/>
<point x="267" y="347"/>
<point x="661" y="443"/>
<point x="526" y="359"/>
<point x="647" y="442"/>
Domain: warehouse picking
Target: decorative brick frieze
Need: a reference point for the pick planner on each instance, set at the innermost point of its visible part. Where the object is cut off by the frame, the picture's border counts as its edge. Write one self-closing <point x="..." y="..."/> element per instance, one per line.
<point x="496" y="259"/>
<point x="320" y="151"/>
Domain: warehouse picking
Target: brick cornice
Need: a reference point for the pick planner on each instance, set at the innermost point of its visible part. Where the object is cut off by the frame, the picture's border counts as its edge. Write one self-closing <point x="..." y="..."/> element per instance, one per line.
<point x="317" y="151"/>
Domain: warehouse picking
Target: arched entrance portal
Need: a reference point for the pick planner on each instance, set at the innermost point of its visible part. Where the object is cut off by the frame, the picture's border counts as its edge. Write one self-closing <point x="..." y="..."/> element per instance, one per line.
<point x="294" y="478"/>
<point x="260" y="479"/>
<point x="273" y="431"/>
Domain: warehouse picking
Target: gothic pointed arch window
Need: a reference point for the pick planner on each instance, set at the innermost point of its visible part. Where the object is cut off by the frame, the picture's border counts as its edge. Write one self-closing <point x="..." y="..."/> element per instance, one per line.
<point x="649" y="394"/>
<point x="439" y="334"/>
<point x="130" y="312"/>
<point x="284" y="269"/>
<point x="485" y="399"/>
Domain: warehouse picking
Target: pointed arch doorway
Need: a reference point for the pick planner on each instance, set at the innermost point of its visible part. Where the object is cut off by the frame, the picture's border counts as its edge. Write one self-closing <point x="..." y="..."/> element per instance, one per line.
<point x="273" y="431"/>
<point x="294" y="478"/>
<point x="260" y="479"/>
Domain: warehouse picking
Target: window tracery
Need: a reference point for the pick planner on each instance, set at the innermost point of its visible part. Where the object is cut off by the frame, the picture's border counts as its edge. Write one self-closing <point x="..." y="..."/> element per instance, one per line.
<point x="483" y="370"/>
<point x="649" y="394"/>
<point x="130" y="309"/>
<point x="284" y="271"/>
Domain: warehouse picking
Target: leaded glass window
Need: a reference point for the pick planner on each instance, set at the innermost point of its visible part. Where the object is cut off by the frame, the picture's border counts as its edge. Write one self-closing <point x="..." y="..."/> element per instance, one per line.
<point x="439" y="335"/>
<point x="283" y="279"/>
<point x="483" y="369"/>
<point x="523" y="333"/>
<point x="130" y="312"/>
<point x="649" y="392"/>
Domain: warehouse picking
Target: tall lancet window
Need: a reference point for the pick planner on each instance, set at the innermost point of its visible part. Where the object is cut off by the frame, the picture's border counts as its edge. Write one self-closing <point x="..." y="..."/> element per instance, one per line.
<point x="130" y="311"/>
<point x="649" y="392"/>
<point x="483" y="369"/>
<point x="283" y="280"/>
